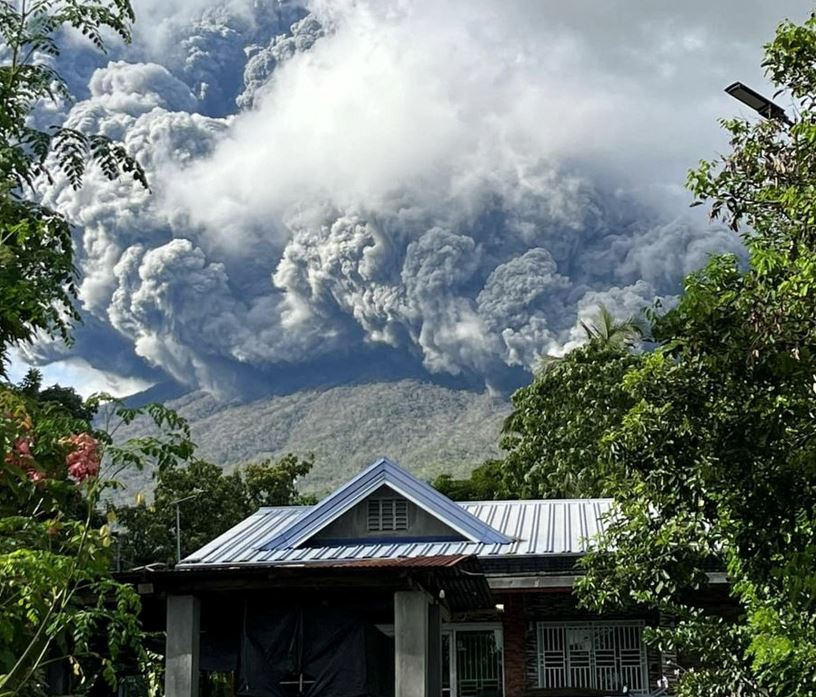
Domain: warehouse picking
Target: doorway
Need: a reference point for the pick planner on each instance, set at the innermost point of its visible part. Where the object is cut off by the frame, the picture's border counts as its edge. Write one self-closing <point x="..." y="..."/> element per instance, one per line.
<point x="472" y="660"/>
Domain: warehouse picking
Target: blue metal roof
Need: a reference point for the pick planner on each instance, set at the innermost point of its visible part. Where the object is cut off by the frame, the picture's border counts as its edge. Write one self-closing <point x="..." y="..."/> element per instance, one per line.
<point x="535" y="528"/>
<point x="384" y="472"/>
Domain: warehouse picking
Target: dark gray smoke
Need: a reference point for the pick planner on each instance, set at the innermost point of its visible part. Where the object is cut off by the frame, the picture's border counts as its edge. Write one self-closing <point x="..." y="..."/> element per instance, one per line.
<point x="436" y="187"/>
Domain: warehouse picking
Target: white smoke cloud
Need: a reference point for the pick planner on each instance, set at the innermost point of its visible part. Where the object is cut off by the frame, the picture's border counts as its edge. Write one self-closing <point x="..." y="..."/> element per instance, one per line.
<point x="517" y="300"/>
<point x="459" y="182"/>
<point x="158" y="304"/>
<point x="134" y="90"/>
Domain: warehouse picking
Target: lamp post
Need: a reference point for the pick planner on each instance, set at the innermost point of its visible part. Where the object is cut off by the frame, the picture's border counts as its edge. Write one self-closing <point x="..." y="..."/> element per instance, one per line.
<point x="759" y="103"/>
<point x="178" y="521"/>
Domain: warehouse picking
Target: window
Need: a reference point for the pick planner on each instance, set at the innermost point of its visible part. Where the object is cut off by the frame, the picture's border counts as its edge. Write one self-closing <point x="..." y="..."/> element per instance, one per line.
<point x="592" y="655"/>
<point x="387" y="514"/>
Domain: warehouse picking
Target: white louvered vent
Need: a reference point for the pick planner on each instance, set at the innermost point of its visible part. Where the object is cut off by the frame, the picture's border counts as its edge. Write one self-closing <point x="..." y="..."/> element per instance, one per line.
<point x="387" y="514"/>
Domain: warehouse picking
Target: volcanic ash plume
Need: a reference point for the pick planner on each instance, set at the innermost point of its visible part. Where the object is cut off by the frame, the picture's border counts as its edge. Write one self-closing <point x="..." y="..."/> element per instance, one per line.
<point x="451" y="183"/>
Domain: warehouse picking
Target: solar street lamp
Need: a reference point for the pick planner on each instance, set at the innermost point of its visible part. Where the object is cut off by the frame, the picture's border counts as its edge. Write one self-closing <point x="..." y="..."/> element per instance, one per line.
<point x="759" y="103"/>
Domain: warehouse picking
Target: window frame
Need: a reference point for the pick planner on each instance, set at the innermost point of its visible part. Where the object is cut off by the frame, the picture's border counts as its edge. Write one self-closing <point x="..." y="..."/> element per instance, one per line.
<point x="592" y="668"/>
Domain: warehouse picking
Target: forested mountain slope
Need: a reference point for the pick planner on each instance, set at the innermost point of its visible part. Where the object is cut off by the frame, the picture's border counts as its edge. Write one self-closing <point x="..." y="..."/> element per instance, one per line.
<point x="425" y="427"/>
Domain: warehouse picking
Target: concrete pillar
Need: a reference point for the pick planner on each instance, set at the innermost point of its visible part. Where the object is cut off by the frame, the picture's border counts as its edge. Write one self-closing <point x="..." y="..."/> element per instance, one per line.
<point x="183" y="636"/>
<point x="417" y="645"/>
<point x="434" y="650"/>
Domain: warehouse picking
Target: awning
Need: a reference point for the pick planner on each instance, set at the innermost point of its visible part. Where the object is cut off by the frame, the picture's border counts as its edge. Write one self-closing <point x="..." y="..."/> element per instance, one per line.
<point x="457" y="581"/>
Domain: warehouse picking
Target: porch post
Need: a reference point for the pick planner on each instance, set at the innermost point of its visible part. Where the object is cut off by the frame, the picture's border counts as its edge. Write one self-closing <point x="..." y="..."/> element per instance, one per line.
<point x="434" y="650"/>
<point x="181" y="658"/>
<point x="417" y="645"/>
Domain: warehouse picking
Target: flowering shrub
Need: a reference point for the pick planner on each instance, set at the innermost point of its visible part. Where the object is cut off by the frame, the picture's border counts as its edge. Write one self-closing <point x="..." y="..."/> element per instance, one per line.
<point x="58" y="600"/>
<point x="82" y="457"/>
<point x="83" y="460"/>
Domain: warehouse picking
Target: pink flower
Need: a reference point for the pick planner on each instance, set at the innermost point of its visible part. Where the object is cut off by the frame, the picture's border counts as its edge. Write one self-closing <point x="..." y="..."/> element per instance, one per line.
<point x="84" y="459"/>
<point x="21" y="457"/>
<point x="20" y="454"/>
<point x="35" y="475"/>
<point x="23" y="447"/>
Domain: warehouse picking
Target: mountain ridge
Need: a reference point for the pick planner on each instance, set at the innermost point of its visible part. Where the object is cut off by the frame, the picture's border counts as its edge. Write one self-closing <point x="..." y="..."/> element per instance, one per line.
<point x="425" y="427"/>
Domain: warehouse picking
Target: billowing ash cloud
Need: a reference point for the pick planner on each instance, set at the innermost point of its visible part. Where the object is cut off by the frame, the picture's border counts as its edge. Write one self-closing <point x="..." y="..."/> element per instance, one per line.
<point x="264" y="60"/>
<point x="203" y="43"/>
<point x="455" y="183"/>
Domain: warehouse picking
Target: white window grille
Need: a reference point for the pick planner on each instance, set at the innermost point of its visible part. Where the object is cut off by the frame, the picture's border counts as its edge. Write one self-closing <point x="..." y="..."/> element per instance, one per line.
<point x="592" y="655"/>
<point x="387" y="514"/>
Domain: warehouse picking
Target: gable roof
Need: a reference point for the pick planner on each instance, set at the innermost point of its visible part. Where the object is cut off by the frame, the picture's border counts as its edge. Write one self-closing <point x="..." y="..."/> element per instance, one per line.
<point x="554" y="528"/>
<point x="384" y="472"/>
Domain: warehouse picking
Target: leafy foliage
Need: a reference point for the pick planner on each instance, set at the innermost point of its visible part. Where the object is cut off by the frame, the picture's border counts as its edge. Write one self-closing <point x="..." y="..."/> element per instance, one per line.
<point x="59" y="604"/>
<point x="37" y="275"/>
<point x="606" y="328"/>
<point x="716" y="458"/>
<point x="274" y="483"/>
<point x="31" y="386"/>
<point x="58" y="601"/>
<point x="485" y="483"/>
<point x="553" y="436"/>
<point x="210" y="502"/>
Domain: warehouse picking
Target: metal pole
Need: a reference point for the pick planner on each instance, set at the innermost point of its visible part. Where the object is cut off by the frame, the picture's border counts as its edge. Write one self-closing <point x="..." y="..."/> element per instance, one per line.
<point x="178" y="534"/>
<point x="178" y="521"/>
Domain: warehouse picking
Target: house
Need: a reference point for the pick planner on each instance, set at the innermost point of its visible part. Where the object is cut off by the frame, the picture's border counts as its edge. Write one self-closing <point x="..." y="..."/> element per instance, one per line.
<point x="387" y="587"/>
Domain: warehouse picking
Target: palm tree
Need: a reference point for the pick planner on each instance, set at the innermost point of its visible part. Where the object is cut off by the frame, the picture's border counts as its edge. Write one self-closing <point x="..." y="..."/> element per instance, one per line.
<point x="606" y="328"/>
<point x="603" y="328"/>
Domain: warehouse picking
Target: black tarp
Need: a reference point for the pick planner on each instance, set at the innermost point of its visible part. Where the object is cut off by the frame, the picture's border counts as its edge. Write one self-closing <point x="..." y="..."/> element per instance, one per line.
<point x="314" y="651"/>
<point x="221" y="622"/>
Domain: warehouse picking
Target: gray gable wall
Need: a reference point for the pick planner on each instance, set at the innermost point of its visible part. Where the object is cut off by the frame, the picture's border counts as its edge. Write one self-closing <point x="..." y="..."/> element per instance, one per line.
<point x="353" y="524"/>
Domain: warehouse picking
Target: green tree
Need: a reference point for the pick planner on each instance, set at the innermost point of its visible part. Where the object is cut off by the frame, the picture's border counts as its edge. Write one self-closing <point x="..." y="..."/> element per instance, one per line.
<point x="716" y="459"/>
<point x="608" y="329"/>
<point x="67" y="397"/>
<point x="553" y="435"/>
<point x="214" y="502"/>
<point x="485" y="483"/>
<point x="37" y="274"/>
<point x="210" y="502"/>
<point x="274" y="482"/>
<point x="58" y="601"/>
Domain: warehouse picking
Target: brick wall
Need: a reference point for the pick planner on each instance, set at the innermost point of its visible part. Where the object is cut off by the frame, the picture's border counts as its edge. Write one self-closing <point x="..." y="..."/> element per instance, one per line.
<point x="514" y="623"/>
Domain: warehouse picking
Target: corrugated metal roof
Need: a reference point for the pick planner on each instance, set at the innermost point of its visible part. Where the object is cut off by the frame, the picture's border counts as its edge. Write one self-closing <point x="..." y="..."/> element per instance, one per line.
<point x="535" y="528"/>
<point x="383" y="473"/>
<point x="442" y="562"/>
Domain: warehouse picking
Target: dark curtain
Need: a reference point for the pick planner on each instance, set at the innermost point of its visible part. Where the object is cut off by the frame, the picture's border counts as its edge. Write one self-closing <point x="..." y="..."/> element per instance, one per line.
<point x="334" y="651"/>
